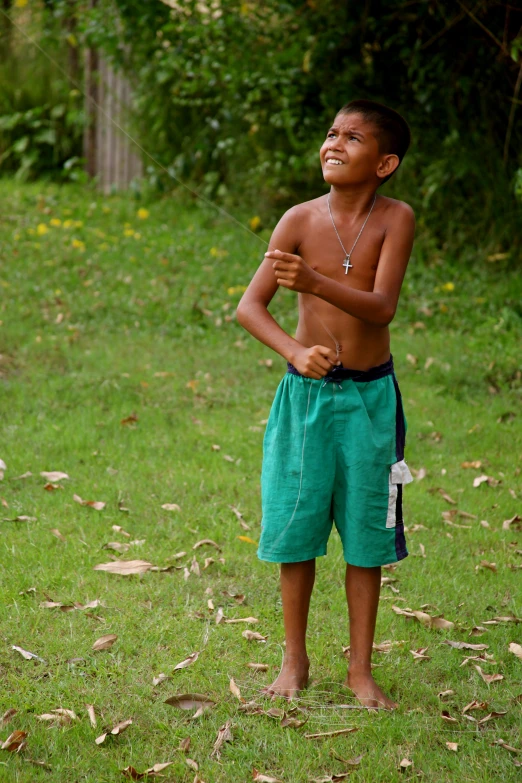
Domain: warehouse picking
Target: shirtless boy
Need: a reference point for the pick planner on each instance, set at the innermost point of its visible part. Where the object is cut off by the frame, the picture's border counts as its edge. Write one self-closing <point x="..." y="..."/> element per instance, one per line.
<point x="334" y="443"/>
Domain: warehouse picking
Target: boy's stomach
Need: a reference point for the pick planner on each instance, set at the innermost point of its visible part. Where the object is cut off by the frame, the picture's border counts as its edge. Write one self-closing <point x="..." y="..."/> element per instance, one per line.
<point x="362" y="345"/>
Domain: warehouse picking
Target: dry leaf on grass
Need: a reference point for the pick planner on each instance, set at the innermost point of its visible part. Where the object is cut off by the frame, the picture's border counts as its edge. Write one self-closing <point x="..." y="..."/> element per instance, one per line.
<point x="234" y="690"/>
<point x="207" y="542"/>
<point x="192" y="764"/>
<point x="485" y="564"/>
<point x="57" y="533"/>
<point x="52" y="475"/>
<point x="15" y="742"/>
<point x="130" y="772"/>
<point x="184" y="745"/>
<point x="516" y="521"/>
<point x="60" y="717"/>
<point x="26" y="654"/>
<point x="438" y="623"/>
<point x="104" y="642"/>
<point x="516" y="649"/>
<point x="117" y="546"/>
<point x="121" y="531"/>
<point x="192" y="658"/>
<point x="124" y="567"/>
<point x="91" y="714"/>
<point x="489" y="678"/>
<point x="219" y="615"/>
<point x="418" y="654"/>
<point x="465" y="645"/>
<point x="443" y="694"/>
<point x="191" y="701"/>
<point x="452" y="746"/>
<point x="171" y="507"/>
<point x="447" y="717"/>
<point x="332" y="733"/>
<point x="254" y="636"/>
<point x="259" y="777"/>
<point x="243" y="620"/>
<point x="96" y="504"/>
<point x="258" y="667"/>
<point x="404" y="764"/>
<point x="160" y="678"/>
<point x="6" y="717"/>
<point x="246" y="539"/>
<point x="289" y="722"/>
<point x="504" y="744"/>
<point x="118" y="729"/>
<point x="475" y="705"/>
<point x="224" y="735"/>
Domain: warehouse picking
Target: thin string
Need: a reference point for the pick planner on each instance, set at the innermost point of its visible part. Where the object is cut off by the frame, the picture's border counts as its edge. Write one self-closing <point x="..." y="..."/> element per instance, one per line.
<point x="156" y="162"/>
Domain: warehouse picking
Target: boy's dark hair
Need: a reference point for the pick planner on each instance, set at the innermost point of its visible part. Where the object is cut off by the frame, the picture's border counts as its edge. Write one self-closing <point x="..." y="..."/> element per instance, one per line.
<point x="391" y="129"/>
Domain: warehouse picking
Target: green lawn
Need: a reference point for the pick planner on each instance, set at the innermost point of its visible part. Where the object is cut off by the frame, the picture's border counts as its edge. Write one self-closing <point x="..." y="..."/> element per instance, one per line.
<point x="107" y="316"/>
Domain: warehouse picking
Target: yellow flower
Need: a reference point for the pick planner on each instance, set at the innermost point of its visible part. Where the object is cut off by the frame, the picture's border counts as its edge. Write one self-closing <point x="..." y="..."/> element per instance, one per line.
<point x="236" y="289"/>
<point x="129" y="232"/>
<point x="78" y="223"/>
<point x="448" y="287"/>
<point x="67" y="211"/>
<point x="67" y="223"/>
<point x="216" y="252"/>
<point x="254" y="222"/>
<point x="143" y="213"/>
<point x="41" y="229"/>
<point x="103" y="246"/>
<point x="55" y="222"/>
<point x="21" y="3"/>
<point x="16" y="237"/>
<point x="106" y="210"/>
<point x="78" y="244"/>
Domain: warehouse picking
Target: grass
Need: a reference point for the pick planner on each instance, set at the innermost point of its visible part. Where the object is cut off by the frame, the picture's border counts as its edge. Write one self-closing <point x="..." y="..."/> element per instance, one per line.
<point x="136" y="317"/>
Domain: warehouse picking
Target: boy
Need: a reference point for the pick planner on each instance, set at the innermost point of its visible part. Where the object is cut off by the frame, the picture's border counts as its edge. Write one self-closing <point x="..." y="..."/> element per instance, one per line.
<point x="333" y="448"/>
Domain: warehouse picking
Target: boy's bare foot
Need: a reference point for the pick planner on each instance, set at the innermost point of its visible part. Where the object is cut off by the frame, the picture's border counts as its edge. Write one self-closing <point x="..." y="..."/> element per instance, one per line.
<point x="367" y="691"/>
<point x="292" y="678"/>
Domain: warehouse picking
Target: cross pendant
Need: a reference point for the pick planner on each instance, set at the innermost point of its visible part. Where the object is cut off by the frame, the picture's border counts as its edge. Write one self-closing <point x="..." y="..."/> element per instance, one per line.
<point x="347" y="264"/>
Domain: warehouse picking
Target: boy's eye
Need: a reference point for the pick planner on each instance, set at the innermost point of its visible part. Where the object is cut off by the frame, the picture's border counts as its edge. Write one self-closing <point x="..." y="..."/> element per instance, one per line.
<point x="331" y="133"/>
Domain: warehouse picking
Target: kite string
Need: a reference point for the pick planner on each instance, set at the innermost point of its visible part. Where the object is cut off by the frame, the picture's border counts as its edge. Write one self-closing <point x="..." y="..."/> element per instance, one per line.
<point x="154" y="160"/>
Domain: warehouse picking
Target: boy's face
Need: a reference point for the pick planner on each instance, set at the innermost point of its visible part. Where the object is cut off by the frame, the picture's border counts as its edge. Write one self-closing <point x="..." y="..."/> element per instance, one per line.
<point x="351" y="141"/>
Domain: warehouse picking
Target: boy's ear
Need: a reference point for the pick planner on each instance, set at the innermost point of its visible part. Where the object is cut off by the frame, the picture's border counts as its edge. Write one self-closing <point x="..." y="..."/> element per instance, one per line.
<point x="387" y="165"/>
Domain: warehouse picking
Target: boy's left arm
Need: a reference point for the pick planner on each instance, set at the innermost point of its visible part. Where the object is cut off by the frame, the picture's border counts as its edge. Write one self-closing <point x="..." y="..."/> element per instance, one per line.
<point x="377" y="306"/>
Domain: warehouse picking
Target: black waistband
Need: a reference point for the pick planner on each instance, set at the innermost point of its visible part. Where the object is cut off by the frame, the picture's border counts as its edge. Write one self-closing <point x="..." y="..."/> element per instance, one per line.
<point x="340" y="373"/>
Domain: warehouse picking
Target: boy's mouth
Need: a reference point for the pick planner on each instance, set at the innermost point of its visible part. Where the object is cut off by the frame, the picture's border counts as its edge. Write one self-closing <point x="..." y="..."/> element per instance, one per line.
<point x="334" y="162"/>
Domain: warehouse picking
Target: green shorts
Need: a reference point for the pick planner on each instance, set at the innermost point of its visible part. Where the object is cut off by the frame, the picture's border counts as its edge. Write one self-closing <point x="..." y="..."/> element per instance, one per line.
<point x="333" y="451"/>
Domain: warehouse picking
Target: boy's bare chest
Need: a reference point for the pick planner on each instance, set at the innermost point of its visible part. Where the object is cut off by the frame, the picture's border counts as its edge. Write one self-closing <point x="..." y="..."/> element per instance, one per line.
<point x="321" y="249"/>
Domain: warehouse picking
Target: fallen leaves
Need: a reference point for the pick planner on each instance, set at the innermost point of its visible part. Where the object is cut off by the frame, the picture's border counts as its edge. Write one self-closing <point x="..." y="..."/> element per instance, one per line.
<point x="26" y="654"/>
<point x="171" y="507"/>
<point x="516" y="649"/>
<point x="60" y="717"/>
<point x="124" y="567"/>
<point x="259" y="777"/>
<point x="254" y="636"/>
<point x="15" y="742"/>
<point x="53" y="475"/>
<point x="224" y="735"/>
<point x="192" y="658"/>
<point x="466" y="645"/>
<point x="489" y="678"/>
<point x="191" y="701"/>
<point x="6" y="717"/>
<point x="104" y="642"/>
<point x="91" y="714"/>
<point x="438" y="623"/>
<point x="452" y="746"/>
<point x="96" y="504"/>
<point x="130" y="772"/>
<point x="118" y="729"/>
<point x="206" y="542"/>
<point x="258" y="667"/>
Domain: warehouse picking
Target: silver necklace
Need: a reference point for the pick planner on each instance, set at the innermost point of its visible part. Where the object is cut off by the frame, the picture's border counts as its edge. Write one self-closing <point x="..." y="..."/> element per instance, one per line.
<point x="346" y="262"/>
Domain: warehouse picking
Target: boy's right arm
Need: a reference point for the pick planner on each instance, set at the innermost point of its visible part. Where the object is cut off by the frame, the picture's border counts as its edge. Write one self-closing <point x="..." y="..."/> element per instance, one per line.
<point x="252" y="310"/>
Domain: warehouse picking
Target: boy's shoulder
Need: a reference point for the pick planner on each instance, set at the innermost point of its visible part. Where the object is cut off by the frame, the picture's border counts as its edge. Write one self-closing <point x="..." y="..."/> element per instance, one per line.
<point x="316" y="206"/>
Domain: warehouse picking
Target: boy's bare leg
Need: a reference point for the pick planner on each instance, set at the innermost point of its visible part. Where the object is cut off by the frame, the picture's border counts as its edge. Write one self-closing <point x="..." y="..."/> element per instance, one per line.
<point x="297" y="581"/>
<point x="363" y="586"/>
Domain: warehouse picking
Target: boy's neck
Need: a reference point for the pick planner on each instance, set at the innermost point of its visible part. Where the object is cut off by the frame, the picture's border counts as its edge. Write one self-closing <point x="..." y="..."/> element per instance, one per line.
<point x="357" y="199"/>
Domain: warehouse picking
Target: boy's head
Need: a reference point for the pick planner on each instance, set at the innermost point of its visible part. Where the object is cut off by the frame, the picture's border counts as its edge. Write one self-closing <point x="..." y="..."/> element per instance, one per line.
<point x="381" y="137"/>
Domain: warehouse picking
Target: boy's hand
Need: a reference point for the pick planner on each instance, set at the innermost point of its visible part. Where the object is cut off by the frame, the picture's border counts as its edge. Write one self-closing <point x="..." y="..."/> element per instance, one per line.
<point x="315" y="362"/>
<point x="292" y="271"/>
